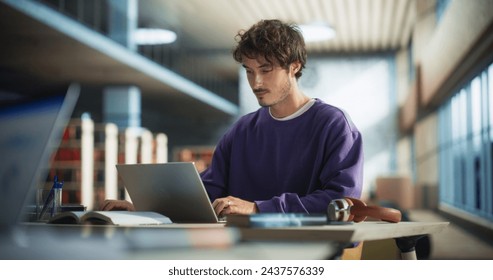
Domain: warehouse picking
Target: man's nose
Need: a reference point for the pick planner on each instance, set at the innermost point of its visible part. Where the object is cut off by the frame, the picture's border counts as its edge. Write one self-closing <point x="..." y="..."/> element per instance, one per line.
<point x="257" y="81"/>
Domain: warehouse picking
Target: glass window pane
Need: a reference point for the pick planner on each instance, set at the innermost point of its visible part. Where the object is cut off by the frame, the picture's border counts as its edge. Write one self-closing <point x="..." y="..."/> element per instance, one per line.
<point x="476" y="106"/>
<point x="490" y="92"/>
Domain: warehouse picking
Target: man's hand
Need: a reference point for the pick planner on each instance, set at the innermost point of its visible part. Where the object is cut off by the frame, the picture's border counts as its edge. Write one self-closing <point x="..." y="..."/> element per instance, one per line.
<point x="233" y="205"/>
<point x="113" y="205"/>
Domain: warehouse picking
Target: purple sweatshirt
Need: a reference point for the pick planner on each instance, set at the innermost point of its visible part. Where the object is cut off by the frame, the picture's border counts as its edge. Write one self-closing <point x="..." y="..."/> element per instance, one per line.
<point x="298" y="165"/>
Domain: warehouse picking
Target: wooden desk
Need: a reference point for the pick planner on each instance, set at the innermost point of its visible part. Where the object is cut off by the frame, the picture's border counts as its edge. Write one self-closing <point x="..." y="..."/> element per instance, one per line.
<point x="175" y="242"/>
<point x="356" y="232"/>
<point x="337" y="237"/>
<point x="406" y="234"/>
<point x="198" y="241"/>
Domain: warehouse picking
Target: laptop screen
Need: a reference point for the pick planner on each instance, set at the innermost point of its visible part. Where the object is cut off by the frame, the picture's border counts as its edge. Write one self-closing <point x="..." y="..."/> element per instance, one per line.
<point x="30" y="131"/>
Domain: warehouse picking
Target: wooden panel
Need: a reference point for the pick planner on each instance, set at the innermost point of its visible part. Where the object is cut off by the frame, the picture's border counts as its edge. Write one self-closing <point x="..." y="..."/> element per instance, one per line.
<point x="445" y="54"/>
<point x="408" y="111"/>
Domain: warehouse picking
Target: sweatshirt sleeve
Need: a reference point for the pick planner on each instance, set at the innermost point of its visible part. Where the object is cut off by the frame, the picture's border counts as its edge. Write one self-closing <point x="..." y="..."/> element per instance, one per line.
<point x="215" y="177"/>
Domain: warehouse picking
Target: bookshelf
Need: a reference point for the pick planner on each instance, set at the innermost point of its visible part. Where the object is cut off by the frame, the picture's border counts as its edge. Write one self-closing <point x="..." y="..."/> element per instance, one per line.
<point x="201" y="155"/>
<point x="87" y="154"/>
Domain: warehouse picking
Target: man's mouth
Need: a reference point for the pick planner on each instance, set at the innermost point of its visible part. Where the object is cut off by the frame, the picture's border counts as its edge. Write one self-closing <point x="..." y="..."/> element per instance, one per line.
<point x="260" y="92"/>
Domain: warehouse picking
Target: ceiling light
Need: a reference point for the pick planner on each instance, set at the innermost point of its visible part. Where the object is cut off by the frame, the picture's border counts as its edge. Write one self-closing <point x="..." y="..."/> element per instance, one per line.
<point x="315" y="32"/>
<point x="153" y="36"/>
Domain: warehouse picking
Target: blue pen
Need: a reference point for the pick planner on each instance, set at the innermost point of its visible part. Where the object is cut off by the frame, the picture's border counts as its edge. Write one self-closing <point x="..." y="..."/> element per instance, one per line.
<point x="49" y="199"/>
<point x="57" y="198"/>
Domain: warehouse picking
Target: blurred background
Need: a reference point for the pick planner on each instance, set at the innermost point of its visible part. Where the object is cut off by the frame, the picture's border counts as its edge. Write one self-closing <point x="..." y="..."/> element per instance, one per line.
<point x="159" y="80"/>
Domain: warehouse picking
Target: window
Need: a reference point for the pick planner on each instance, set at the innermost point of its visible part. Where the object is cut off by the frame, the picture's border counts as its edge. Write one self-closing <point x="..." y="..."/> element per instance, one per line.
<point x="410" y="63"/>
<point x="466" y="147"/>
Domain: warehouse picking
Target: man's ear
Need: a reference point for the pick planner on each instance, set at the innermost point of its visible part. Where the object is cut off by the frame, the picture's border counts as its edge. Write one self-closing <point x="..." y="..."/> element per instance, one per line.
<point x="295" y="67"/>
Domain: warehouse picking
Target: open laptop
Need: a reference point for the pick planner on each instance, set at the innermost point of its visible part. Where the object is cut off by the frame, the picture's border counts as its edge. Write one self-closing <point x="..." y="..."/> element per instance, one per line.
<point x="30" y="131"/>
<point x="173" y="189"/>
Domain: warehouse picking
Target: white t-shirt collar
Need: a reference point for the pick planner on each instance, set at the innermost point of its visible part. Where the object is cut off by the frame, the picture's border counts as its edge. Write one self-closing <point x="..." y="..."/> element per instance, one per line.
<point x="298" y="113"/>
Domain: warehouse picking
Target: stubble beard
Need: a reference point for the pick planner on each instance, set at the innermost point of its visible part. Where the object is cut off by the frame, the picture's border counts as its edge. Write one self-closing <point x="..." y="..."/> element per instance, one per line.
<point x="284" y="93"/>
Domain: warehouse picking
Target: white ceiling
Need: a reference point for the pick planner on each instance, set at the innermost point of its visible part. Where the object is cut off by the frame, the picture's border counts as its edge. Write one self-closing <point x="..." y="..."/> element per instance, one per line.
<point x="361" y="25"/>
<point x="206" y="28"/>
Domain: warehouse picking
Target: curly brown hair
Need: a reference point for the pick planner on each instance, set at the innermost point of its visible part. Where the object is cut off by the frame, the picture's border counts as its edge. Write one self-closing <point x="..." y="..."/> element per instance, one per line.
<point x="274" y="40"/>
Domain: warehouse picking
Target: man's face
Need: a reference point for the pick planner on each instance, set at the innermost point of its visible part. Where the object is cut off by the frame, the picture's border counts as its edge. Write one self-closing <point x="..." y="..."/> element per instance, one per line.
<point x="270" y="83"/>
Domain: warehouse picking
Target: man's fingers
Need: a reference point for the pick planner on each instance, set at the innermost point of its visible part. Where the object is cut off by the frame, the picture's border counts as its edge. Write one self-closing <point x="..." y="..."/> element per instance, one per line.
<point x="220" y="205"/>
<point x="109" y="205"/>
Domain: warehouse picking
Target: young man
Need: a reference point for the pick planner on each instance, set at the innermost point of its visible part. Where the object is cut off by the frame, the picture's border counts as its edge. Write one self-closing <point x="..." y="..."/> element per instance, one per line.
<point x="295" y="153"/>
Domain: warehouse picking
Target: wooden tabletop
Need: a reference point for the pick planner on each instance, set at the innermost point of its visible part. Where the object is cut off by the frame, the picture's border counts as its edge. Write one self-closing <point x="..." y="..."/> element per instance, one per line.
<point x="356" y="232"/>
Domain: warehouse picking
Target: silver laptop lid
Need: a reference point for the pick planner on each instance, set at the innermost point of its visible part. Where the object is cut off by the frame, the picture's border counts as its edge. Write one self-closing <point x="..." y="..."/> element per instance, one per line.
<point x="173" y="189"/>
<point x="30" y="131"/>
